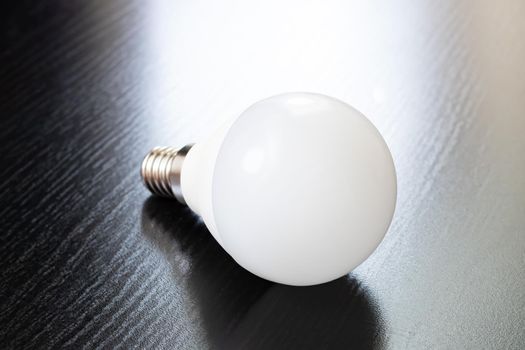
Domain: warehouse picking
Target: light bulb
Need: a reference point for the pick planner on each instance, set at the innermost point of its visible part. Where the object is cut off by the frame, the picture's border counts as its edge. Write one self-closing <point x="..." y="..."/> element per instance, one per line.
<point x="299" y="189"/>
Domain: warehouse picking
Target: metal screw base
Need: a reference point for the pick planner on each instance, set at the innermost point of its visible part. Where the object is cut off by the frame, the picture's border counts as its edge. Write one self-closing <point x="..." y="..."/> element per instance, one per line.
<point x="161" y="171"/>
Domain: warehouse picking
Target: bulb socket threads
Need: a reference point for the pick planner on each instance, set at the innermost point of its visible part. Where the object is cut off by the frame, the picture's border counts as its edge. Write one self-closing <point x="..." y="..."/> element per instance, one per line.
<point x="161" y="171"/>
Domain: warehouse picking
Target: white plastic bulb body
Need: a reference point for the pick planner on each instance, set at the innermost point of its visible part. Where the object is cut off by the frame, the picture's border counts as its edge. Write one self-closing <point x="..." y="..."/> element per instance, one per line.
<point x="299" y="189"/>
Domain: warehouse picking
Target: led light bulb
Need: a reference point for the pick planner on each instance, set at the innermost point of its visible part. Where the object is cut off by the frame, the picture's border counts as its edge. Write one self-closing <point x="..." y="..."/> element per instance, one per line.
<point x="299" y="189"/>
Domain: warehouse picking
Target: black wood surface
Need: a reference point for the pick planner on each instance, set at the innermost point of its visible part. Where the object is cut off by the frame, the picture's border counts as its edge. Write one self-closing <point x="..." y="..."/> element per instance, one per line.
<point x="89" y="260"/>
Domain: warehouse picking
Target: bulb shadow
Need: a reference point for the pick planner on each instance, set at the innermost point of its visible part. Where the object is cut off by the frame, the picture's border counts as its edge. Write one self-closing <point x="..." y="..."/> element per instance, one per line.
<point x="242" y="311"/>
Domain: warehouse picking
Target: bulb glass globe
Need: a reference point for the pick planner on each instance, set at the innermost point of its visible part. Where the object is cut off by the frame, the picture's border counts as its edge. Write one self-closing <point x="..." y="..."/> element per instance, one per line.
<point x="299" y="189"/>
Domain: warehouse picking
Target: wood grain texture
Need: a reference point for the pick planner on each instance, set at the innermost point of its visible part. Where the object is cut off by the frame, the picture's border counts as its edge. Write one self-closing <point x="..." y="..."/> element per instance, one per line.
<point x="89" y="260"/>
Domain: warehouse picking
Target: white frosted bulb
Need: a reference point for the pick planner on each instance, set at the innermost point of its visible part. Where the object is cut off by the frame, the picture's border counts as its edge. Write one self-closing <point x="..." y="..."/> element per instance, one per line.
<point x="299" y="189"/>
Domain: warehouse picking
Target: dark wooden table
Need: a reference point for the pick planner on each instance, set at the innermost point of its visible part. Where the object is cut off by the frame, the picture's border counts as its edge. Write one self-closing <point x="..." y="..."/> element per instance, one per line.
<point x="89" y="260"/>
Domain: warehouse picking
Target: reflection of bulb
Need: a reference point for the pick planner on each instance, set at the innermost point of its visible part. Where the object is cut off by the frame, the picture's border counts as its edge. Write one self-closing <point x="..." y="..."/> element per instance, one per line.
<point x="300" y="189"/>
